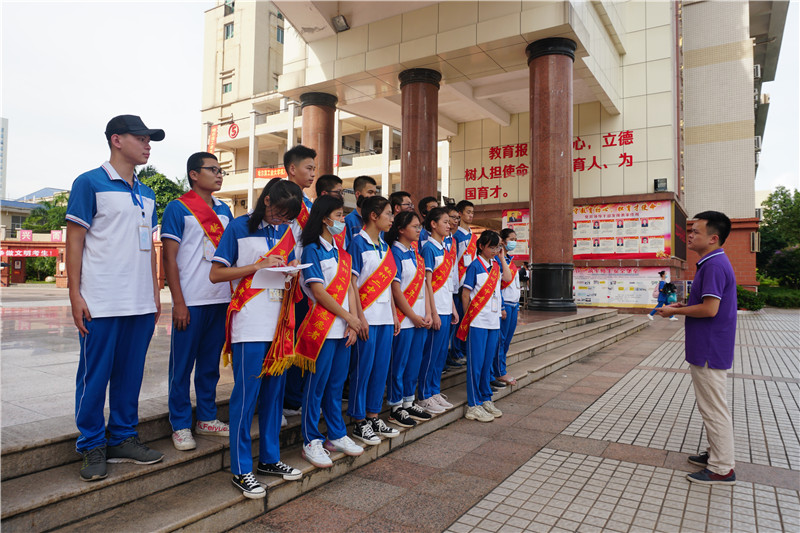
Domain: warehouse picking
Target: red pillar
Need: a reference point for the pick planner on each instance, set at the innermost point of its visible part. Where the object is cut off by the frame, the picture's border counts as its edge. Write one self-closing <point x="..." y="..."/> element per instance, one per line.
<point x="550" y="65"/>
<point x="418" y="151"/>
<point x="318" y="126"/>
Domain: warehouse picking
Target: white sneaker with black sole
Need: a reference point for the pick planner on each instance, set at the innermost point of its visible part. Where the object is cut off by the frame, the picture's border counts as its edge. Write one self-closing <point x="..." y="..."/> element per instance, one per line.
<point x="249" y="486"/>
<point x="380" y="428"/>
<point x="314" y="453"/>
<point x="416" y="412"/>
<point x="363" y="432"/>
<point x="400" y="417"/>
<point x="279" y="469"/>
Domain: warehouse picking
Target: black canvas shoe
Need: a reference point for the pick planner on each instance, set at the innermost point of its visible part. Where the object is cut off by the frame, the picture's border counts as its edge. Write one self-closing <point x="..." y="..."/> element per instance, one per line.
<point x="132" y="451"/>
<point x="279" y="469"/>
<point x="417" y="413"/>
<point x="380" y="428"/>
<point x="496" y="383"/>
<point x="363" y="432"/>
<point x="400" y="417"/>
<point x="94" y="467"/>
<point x="699" y="460"/>
<point x="249" y="486"/>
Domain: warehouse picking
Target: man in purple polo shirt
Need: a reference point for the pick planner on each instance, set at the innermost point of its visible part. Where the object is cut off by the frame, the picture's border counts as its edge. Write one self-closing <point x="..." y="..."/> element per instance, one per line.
<point x="710" y="334"/>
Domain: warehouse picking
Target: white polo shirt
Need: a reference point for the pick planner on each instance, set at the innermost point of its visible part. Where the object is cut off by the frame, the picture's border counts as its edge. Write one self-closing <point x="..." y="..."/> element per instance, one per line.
<point x="116" y="274"/>
<point x="406" y="261"/>
<point x="476" y="275"/>
<point x="512" y="293"/>
<point x="367" y="256"/>
<point x="433" y="255"/>
<point x="324" y="260"/>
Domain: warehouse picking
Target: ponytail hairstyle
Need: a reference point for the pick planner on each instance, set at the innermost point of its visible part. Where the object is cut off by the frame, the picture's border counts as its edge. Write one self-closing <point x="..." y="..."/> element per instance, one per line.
<point x="506" y="232"/>
<point x="285" y="197"/>
<point x="401" y="221"/>
<point x="434" y="215"/>
<point x="322" y="208"/>
<point x="488" y="238"/>
<point x="373" y="204"/>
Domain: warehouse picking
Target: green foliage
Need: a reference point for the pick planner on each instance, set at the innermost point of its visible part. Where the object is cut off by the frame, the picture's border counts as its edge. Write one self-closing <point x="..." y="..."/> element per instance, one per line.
<point x="785" y="267"/>
<point x="780" y="226"/>
<point x="781" y="297"/>
<point x="166" y="190"/>
<point x="749" y="300"/>
<point x="38" y="268"/>
<point x="51" y="215"/>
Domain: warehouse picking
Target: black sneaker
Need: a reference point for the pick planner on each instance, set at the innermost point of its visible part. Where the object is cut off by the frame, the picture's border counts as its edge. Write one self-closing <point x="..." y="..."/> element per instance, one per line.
<point x="94" y="467"/>
<point x="380" y="428"/>
<point x="417" y="413"/>
<point x="363" y="432"/>
<point x="279" y="469"/>
<point x="249" y="486"/>
<point x="496" y="383"/>
<point x="400" y="417"/>
<point x="132" y="451"/>
<point x="699" y="460"/>
<point x="452" y="363"/>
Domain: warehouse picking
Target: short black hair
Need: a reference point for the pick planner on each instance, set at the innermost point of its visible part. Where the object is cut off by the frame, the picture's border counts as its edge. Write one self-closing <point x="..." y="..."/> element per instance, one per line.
<point x="396" y="198"/>
<point x="326" y="183"/>
<point x="297" y="154"/>
<point x="463" y="204"/>
<point x="506" y="232"/>
<point x="716" y="224"/>
<point x="425" y="201"/>
<point x="195" y="161"/>
<point x="322" y="208"/>
<point x="360" y="182"/>
<point x="487" y="238"/>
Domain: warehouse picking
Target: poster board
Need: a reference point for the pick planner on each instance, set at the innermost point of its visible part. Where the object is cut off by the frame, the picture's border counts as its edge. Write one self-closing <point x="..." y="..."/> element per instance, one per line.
<point x="519" y="221"/>
<point x="615" y="286"/>
<point x="629" y="230"/>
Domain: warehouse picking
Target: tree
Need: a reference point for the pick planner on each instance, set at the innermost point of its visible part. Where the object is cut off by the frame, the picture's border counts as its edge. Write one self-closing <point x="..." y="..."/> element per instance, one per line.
<point x="166" y="190"/>
<point x="49" y="216"/>
<point x="782" y="213"/>
<point x="780" y="235"/>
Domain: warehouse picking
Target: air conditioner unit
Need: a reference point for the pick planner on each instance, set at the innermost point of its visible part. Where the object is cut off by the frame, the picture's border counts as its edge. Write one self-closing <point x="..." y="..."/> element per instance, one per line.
<point x="757" y="139"/>
<point x="765" y="98"/>
<point x="757" y="72"/>
<point x="755" y="241"/>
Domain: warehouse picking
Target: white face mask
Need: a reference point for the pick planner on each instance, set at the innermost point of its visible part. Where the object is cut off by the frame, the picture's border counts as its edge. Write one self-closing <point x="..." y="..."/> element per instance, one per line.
<point x="337" y="227"/>
<point x="510" y="245"/>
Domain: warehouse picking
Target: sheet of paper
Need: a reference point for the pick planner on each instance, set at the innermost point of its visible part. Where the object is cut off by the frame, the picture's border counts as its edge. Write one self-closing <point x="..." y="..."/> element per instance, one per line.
<point x="275" y="277"/>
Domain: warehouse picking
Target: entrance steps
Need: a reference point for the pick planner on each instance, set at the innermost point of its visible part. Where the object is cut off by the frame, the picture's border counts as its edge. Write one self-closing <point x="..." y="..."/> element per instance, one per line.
<point x="192" y="490"/>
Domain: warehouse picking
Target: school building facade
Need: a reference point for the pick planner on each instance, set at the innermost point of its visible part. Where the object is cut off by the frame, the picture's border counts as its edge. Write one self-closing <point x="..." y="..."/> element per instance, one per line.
<point x="594" y="128"/>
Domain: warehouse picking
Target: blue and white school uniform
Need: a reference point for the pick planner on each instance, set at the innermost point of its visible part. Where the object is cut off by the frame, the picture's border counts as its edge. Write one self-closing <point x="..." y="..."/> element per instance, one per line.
<point x="200" y="344"/>
<point x="371" y="357"/>
<point x="117" y="285"/>
<point x="461" y="238"/>
<point x="353" y="223"/>
<point x="484" y="333"/>
<point x="323" y="387"/>
<point x="511" y="296"/>
<point x="252" y="330"/>
<point x="407" y="346"/>
<point x="434" y="352"/>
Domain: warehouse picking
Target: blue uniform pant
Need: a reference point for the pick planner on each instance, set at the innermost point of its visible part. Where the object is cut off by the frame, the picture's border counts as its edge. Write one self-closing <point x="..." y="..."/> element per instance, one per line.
<point x="112" y="357"/>
<point x="199" y="347"/>
<point x="481" y="347"/>
<point x="660" y="304"/>
<point x="458" y="348"/>
<point x="369" y="371"/>
<point x="434" y="354"/>
<point x="406" y="358"/>
<point x="323" y="389"/>
<point x="507" y="328"/>
<point x="248" y="391"/>
<point x="295" y="377"/>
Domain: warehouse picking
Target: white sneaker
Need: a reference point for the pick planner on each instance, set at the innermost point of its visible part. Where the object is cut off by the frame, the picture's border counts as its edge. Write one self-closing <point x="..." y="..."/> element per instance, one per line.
<point x="213" y="427"/>
<point x="344" y="445"/>
<point x="431" y="406"/>
<point x="441" y="399"/>
<point x="314" y="453"/>
<point x="292" y="412"/>
<point x="650" y="317"/>
<point x="490" y="408"/>
<point x="673" y="317"/>
<point x="183" y="440"/>
<point x="476" y="412"/>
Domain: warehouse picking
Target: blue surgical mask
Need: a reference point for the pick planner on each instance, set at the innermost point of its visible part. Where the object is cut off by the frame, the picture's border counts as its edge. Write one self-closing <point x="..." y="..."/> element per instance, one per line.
<point x="337" y="228"/>
<point x="510" y="245"/>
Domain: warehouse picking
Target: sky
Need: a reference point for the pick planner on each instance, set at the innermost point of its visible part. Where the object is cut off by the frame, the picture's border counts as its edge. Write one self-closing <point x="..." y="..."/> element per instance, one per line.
<point x="68" y="67"/>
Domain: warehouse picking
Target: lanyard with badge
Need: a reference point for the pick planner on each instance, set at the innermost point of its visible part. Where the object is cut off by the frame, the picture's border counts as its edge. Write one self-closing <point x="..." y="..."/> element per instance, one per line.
<point x="495" y="300"/>
<point x="275" y="295"/>
<point x="145" y="232"/>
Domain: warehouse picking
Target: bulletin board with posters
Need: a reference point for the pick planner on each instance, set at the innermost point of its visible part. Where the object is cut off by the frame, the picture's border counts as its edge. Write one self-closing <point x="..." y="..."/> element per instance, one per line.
<point x="519" y="221"/>
<point x="615" y="286"/>
<point x="629" y="230"/>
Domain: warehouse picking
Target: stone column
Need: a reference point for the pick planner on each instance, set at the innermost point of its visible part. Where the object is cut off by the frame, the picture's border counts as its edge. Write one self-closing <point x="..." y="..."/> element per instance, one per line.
<point x="318" y="126"/>
<point x="420" y="109"/>
<point x="550" y="66"/>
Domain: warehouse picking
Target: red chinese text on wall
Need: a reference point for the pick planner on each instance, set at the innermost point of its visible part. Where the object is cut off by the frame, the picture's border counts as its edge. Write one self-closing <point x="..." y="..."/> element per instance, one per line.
<point x="610" y="140"/>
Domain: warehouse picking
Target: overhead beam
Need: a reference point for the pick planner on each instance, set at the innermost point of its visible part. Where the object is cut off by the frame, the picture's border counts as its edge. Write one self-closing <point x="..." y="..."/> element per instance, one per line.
<point x="498" y="89"/>
<point x="485" y="107"/>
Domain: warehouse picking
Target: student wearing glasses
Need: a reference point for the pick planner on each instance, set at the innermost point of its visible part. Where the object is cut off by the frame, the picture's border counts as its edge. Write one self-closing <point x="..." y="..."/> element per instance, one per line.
<point x="400" y="201"/>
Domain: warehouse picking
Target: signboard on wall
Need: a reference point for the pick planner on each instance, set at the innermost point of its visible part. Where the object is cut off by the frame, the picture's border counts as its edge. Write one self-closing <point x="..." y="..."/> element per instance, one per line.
<point x="269" y="173"/>
<point x="615" y="286"/>
<point x="630" y="230"/>
<point x="212" y="139"/>
<point x="519" y="221"/>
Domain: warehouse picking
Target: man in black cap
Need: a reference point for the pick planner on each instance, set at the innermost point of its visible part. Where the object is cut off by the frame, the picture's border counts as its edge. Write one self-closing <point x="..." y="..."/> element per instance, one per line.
<point x="113" y="290"/>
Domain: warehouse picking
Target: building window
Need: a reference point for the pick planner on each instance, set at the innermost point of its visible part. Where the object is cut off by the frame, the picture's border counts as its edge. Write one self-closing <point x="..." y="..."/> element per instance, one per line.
<point x="229" y="7"/>
<point x="16" y="223"/>
<point x="229" y="30"/>
<point x="227" y="87"/>
<point x="275" y="79"/>
<point x="279" y="35"/>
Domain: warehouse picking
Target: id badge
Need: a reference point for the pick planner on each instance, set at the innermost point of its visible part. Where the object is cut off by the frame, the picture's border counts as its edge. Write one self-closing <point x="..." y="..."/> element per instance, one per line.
<point x="495" y="304"/>
<point x="275" y="295"/>
<point x="208" y="249"/>
<point x="145" y="238"/>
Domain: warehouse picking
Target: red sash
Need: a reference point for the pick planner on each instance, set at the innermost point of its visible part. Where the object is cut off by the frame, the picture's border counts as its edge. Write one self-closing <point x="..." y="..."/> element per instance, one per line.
<point x="244" y="293"/>
<point x="379" y="281"/>
<point x="319" y="321"/>
<point x="514" y="269"/>
<point x="442" y="272"/>
<point x="411" y="294"/>
<point x="472" y="247"/>
<point x="206" y="216"/>
<point x="479" y="302"/>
